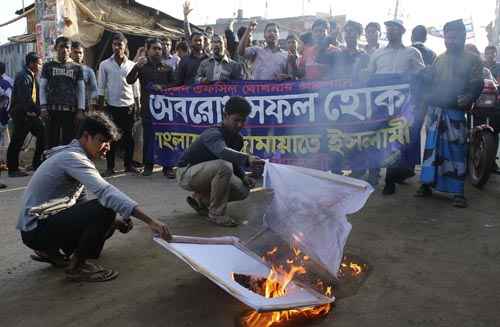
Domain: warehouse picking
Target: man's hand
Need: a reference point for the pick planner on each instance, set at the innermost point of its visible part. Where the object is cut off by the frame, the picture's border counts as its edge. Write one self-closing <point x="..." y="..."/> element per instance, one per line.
<point x="124" y="226"/>
<point x="253" y="26"/>
<point x="255" y="162"/>
<point x="187" y="8"/>
<point x="249" y="182"/>
<point x="141" y="61"/>
<point x="80" y="115"/>
<point x="160" y="229"/>
<point x="44" y="114"/>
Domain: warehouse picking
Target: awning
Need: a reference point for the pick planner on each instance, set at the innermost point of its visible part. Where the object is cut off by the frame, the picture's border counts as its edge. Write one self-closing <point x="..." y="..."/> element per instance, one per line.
<point x="25" y="38"/>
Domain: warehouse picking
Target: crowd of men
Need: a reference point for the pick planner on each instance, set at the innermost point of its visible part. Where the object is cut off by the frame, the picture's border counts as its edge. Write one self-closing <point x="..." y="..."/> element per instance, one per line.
<point x="61" y="103"/>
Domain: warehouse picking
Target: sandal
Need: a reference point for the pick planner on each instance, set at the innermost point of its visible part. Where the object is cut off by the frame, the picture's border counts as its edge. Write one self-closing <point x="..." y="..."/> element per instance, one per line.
<point x="91" y="273"/>
<point x="423" y="192"/>
<point x="223" y="221"/>
<point x="459" y="202"/>
<point x="200" y="209"/>
<point x="57" y="260"/>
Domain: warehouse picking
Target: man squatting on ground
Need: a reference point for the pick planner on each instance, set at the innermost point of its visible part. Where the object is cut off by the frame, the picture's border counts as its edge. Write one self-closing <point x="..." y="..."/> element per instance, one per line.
<point x="212" y="166"/>
<point x="56" y="216"/>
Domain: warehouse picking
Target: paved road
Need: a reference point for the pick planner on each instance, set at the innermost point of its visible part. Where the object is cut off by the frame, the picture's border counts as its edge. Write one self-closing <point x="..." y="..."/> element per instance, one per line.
<point x="433" y="265"/>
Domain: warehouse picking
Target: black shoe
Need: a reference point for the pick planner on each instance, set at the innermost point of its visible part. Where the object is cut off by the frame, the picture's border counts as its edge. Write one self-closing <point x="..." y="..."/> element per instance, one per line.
<point x="424" y="192"/>
<point x="147" y="172"/>
<point x="2" y="186"/>
<point x="109" y="173"/>
<point x="18" y="173"/>
<point x="132" y="169"/>
<point x="389" y="189"/>
<point x="404" y="176"/>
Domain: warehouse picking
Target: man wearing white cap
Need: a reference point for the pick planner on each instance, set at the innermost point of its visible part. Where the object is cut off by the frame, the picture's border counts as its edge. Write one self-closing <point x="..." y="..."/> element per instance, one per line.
<point x="394" y="59"/>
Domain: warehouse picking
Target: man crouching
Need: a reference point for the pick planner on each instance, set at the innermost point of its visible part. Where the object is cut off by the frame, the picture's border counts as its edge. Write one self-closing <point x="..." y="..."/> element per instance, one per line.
<point x="56" y="216"/>
<point x="212" y="166"/>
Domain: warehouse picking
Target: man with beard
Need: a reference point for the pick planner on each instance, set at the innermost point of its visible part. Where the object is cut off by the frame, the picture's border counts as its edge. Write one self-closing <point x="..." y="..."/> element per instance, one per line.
<point x="188" y="66"/>
<point x="25" y="114"/>
<point x="212" y="167"/>
<point x="122" y="100"/>
<point x="394" y="59"/>
<point x="56" y="216"/>
<point x="218" y="67"/>
<point x="151" y="70"/>
<point x="372" y="34"/>
<point x="270" y="63"/>
<point x="490" y="61"/>
<point x="346" y="62"/>
<point x="309" y="65"/>
<point x="62" y="94"/>
<point x="455" y="81"/>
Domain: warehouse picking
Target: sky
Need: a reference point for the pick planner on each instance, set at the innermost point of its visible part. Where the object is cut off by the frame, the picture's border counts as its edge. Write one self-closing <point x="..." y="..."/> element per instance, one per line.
<point x="412" y="12"/>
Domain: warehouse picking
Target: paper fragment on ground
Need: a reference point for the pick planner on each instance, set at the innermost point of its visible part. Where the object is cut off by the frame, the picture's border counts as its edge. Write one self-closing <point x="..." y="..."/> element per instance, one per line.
<point x="219" y="258"/>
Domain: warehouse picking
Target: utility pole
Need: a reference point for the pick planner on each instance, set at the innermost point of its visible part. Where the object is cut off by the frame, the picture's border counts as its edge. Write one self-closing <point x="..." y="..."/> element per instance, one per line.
<point x="496" y="35"/>
<point x="396" y="10"/>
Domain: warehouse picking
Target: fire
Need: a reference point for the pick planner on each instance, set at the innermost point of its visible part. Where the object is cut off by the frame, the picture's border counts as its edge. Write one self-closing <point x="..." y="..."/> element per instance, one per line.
<point x="275" y="285"/>
<point x="354" y="268"/>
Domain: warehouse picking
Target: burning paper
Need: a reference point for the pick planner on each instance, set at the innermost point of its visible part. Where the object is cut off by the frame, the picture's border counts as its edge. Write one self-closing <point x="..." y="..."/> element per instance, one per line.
<point x="310" y="209"/>
<point x="228" y="263"/>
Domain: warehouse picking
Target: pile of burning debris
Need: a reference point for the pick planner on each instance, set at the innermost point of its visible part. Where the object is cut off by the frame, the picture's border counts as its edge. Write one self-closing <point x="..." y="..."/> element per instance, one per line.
<point x="283" y="271"/>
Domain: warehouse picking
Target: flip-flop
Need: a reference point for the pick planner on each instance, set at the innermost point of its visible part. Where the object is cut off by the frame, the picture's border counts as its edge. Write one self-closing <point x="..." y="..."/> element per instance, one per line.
<point x="103" y="275"/>
<point x="223" y="221"/>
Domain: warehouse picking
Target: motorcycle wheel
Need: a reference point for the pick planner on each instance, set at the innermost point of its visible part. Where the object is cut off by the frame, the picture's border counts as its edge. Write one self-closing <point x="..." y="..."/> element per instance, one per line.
<point x="482" y="156"/>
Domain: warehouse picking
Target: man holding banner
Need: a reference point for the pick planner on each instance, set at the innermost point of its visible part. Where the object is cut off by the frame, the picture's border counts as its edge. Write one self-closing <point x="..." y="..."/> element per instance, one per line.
<point x="212" y="166"/>
<point x="455" y="82"/>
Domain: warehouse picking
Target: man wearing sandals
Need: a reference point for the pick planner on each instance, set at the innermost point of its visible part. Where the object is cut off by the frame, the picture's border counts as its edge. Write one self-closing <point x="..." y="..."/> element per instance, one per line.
<point x="455" y="81"/>
<point x="56" y="216"/>
<point x="212" y="166"/>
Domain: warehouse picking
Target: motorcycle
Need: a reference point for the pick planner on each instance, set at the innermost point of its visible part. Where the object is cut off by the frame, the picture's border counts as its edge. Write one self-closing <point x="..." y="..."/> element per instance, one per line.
<point x="483" y="136"/>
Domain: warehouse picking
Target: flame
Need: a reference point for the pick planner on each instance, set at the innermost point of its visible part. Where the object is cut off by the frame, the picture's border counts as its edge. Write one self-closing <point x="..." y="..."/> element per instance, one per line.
<point x="354" y="268"/>
<point x="275" y="285"/>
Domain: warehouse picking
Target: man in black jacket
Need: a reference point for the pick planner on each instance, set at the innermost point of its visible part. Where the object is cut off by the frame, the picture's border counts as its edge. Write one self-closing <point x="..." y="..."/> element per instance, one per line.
<point x="25" y="112"/>
<point x="212" y="167"/>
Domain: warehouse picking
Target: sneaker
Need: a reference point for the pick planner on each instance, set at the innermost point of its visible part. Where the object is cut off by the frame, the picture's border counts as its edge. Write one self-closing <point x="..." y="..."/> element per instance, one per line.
<point x="459" y="202"/>
<point x="109" y="173"/>
<point x="132" y="169"/>
<point x="18" y="173"/>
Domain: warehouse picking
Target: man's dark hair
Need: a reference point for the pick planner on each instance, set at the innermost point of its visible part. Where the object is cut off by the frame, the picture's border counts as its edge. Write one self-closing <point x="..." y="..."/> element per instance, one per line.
<point x="31" y="58"/>
<point x="306" y="38"/>
<point x="354" y="25"/>
<point x="269" y="25"/>
<point x="62" y="40"/>
<point x="292" y="37"/>
<point x="2" y="68"/>
<point x="320" y="22"/>
<point x="419" y="34"/>
<point x="99" y="123"/>
<point x="455" y="25"/>
<point x="118" y="36"/>
<point x="152" y="40"/>
<point x="241" y="32"/>
<point x="373" y="25"/>
<point x="196" y="34"/>
<point x="491" y="47"/>
<point x="76" y="45"/>
<point x="237" y="105"/>
<point x="183" y="46"/>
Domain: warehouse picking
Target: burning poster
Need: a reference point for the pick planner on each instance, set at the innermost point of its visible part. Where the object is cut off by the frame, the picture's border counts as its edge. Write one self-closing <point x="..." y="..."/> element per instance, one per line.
<point x="316" y="226"/>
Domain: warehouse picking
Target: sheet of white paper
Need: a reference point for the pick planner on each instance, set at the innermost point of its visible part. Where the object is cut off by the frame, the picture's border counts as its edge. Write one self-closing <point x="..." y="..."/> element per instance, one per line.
<point x="218" y="262"/>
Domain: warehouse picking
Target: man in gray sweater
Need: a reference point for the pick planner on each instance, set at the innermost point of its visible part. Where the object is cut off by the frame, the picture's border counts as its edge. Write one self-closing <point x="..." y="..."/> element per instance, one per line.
<point x="56" y="215"/>
<point x="212" y="167"/>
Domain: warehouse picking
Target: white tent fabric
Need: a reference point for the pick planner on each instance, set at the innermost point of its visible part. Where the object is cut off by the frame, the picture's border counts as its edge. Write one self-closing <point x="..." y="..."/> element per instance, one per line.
<point x="309" y="208"/>
<point x="220" y="258"/>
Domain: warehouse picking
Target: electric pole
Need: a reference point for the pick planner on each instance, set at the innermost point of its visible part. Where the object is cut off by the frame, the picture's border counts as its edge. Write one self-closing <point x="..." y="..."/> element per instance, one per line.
<point x="396" y="9"/>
